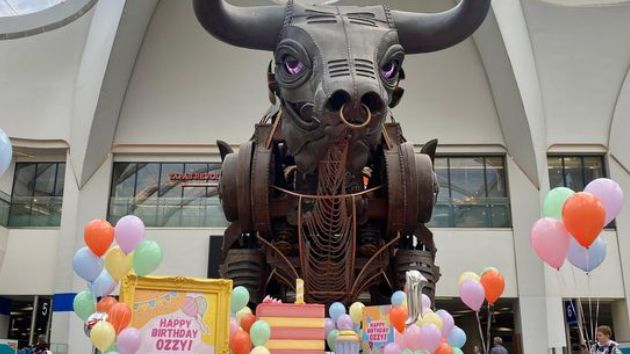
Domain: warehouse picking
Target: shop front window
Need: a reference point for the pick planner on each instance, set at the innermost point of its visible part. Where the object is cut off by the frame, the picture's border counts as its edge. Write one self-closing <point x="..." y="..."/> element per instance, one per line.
<point x="167" y="194"/>
<point x="473" y="193"/>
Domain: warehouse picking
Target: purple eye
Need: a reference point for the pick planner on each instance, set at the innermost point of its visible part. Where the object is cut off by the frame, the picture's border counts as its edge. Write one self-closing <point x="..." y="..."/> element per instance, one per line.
<point x="390" y="69"/>
<point x="292" y="65"/>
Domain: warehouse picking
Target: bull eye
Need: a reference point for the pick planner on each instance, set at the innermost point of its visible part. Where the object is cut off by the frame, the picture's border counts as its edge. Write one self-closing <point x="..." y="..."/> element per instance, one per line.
<point x="292" y="65"/>
<point x="390" y="69"/>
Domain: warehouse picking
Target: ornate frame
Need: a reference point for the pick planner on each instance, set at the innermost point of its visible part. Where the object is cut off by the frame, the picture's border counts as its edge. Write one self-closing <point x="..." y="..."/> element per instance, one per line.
<point x="220" y="287"/>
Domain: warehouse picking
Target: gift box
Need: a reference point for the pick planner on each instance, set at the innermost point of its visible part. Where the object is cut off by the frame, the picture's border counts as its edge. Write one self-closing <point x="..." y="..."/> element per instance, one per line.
<point x="295" y="328"/>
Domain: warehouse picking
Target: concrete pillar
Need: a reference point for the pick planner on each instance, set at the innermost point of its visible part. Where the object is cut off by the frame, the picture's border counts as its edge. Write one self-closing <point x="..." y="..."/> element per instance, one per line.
<point x="4" y="326"/>
<point x="621" y="321"/>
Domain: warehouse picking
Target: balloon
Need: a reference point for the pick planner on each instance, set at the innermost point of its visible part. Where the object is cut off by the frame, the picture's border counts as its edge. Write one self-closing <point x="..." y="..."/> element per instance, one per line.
<point x="356" y="312"/>
<point x="84" y="304"/>
<point x="103" y="285"/>
<point x="457" y="337"/>
<point x="147" y="257"/>
<point x="398" y="317"/>
<point x="242" y="313"/>
<point x="430" y="337"/>
<point x="421" y="351"/>
<point x="260" y="350"/>
<point x="412" y="337"/>
<point x="584" y="217"/>
<point x="129" y="341"/>
<point x="202" y="304"/>
<point x="332" y="339"/>
<point x="407" y="351"/>
<point x="426" y="302"/>
<point x="444" y="348"/>
<point x="105" y="304"/>
<point x="329" y="325"/>
<point x="98" y="236"/>
<point x="94" y="318"/>
<point x="609" y="193"/>
<point x="336" y="310"/>
<point x="432" y="318"/>
<point x="129" y="232"/>
<point x="392" y="348"/>
<point x="247" y="321"/>
<point x="240" y="343"/>
<point x="457" y="350"/>
<point x="117" y="263"/>
<point x="472" y="294"/>
<point x="240" y="298"/>
<point x="234" y="327"/>
<point x="119" y="316"/>
<point x="493" y="284"/>
<point x="487" y="269"/>
<point x="587" y="259"/>
<point x="554" y="201"/>
<point x="550" y="240"/>
<point x="103" y="335"/>
<point x="6" y="152"/>
<point x="467" y="276"/>
<point x="344" y="323"/>
<point x="260" y="333"/>
<point x="87" y="265"/>
<point x="399" y="298"/>
<point x="190" y="307"/>
<point x="447" y="322"/>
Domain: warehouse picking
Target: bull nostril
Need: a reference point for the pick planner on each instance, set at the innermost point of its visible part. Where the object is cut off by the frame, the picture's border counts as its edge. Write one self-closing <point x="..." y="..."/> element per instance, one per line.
<point x="373" y="101"/>
<point x="338" y="100"/>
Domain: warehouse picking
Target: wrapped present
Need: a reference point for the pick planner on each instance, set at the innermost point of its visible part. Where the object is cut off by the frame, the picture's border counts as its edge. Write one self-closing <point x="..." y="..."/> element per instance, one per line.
<point x="295" y="328"/>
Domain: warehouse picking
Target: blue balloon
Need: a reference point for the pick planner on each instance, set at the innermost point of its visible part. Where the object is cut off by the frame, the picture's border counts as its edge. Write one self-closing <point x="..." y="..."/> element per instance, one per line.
<point x="6" y="152"/>
<point x="86" y="264"/>
<point x="587" y="259"/>
<point x="398" y="298"/>
<point x="336" y="310"/>
<point x="103" y="285"/>
<point x="457" y="338"/>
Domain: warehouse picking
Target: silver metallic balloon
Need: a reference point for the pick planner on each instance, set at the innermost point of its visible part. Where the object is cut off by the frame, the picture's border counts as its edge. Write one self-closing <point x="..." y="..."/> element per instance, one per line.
<point x="94" y="318"/>
<point x="415" y="283"/>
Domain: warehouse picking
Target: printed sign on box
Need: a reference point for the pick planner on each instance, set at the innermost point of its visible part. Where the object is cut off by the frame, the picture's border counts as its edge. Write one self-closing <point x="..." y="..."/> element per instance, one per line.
<point x="377" y="331"/>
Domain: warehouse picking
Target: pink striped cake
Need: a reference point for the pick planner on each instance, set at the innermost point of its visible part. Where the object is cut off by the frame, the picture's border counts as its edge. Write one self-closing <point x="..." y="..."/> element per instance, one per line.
<point x="295" y="328"/>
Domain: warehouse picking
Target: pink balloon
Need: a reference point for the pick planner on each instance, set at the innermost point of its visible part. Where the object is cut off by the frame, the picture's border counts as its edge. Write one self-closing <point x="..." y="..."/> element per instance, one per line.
<point x="447" y="322"/>
<point x="129" y="233"/>
<point x="472" y="294"/>
<point x="609" y="193"/>
<point x="329" y="325"/>
<point x="392" y="348"/>
<point x="426" y="302"/>
<point x="413" y="337"/>
<point x="430" y="337"/>
<point x="190" y="307"/>
<point x="550" y="240"/>
<point x="129" y="341"/>
<point x="234" y="327"/>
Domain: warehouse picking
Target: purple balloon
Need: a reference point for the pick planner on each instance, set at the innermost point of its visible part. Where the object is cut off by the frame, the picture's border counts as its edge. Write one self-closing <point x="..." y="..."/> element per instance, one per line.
<point x="609" y="193"/>
<point x="430" y="337"/>
<point x="472" y="294"/>
<point x="426" y="302"/>
<point x="447" y="322"/>
<point x="344" y="323"/>
<point x="392" y="348"/>
<point x="329" y="325"/>
<point x="129" y="233"/>
<point x="129" y="341"/>
<point x="587" y="259"/>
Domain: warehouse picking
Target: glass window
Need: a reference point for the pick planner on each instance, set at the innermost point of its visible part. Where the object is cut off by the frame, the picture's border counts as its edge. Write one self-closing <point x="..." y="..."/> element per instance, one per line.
<point x="167" y="194"/>
<point x="473" y="192"/>
<point x="37" y="194"/>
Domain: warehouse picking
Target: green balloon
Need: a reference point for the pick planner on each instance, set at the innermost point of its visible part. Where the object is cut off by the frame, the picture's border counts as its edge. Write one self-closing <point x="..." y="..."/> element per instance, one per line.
<point x="554" y="202"/>
<point x="407" y="351"/>
<point x="457" y="350"/>
<point x="421" y="351"/>
<point x="260" y="332"/>
<point x="240" y="298"/>
<point x="332" y="339"/>
<point x="84" y="304"/>
<point x="147" y="257"/>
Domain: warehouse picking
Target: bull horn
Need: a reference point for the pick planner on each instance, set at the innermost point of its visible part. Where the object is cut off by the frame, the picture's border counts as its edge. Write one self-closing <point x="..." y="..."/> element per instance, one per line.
<point x="422" y="33"/>
<point x="248" y="27"/>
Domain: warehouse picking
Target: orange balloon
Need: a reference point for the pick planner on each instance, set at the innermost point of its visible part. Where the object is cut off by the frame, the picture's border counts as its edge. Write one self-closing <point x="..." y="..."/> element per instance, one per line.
<point x="584" y="216"/>
<point x="240" y="343"/>
<point x="98" y="236"/>
<point x="398" y="317"/>
<point x="444" y="348"/>
<point x="247" y="321"/>
<point x="119" y="316"/>
<point x="494" y="284"/>
<point x="105" y="304"/>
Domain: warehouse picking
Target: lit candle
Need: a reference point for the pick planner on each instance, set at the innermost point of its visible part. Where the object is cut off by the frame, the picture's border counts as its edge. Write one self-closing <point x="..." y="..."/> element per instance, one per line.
<point x="299" y="291"/>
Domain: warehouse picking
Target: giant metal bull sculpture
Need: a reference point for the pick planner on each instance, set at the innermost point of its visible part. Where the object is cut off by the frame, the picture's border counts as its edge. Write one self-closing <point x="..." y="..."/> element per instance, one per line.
<point x="328" y="189"/>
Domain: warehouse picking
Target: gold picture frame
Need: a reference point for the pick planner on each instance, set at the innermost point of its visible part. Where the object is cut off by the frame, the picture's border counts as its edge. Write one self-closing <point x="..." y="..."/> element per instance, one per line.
<point x="145" y="296"/>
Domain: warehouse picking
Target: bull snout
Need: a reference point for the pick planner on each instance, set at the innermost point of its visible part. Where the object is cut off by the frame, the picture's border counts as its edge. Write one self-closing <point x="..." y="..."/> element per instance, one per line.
<point x="355" y="111"/>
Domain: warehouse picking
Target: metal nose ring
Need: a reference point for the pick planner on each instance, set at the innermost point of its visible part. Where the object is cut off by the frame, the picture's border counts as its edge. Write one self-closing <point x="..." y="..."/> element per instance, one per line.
<point x="356" y="126"/>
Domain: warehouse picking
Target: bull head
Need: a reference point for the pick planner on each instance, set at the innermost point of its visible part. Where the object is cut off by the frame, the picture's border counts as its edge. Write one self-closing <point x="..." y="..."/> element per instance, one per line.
<point x="337" y="67"/>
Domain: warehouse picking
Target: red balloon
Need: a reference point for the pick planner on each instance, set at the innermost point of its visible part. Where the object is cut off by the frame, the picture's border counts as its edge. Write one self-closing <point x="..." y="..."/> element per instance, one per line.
<point x="584" y="217"/>
<point x="444" y="348"/>
<point x="247" y="321"/>
<point x="98" y="236"/>
<point x="240" y="343"/>
<point x="119" y="316"/>
<point x="494" y="285"/>
<point x="398" y="318"/>
<point x="105" y="304"/>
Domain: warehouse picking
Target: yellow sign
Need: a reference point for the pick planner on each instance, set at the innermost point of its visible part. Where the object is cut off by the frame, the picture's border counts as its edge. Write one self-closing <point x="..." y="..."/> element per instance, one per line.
<point x="179" y="315"/>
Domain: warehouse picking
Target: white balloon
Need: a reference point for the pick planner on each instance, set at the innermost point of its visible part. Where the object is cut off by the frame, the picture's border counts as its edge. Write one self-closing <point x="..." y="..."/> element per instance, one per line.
<point x="6" y="152"/>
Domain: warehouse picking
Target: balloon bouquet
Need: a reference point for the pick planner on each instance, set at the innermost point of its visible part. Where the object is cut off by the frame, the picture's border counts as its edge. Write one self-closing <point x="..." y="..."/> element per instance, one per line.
<point x="341" y="323"/>
<point x="6" y="152"/>
<point x="107" y="321"/>
<point x="245" y="329"/>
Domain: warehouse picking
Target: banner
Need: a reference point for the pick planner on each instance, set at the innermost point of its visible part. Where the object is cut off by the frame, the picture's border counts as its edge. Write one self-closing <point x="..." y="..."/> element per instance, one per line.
<point x="8" y="346"/>
<point x="377" y="331"/>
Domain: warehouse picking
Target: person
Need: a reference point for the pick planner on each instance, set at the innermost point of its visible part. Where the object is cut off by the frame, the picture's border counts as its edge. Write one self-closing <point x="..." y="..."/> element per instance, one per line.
<point x="476" y="350"/>
<point x="42" y="346"/>
<point x="604" y="344"/>
<point x="498" y="347"/>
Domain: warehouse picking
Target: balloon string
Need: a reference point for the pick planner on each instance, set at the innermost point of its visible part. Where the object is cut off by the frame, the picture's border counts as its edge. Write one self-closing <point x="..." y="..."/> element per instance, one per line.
<point x="490" y="313"/>
<point x="578" y="317"/>
<point x="590" y="304"/>
<point x="483" y="342"/>
<point x="584" y="322"/>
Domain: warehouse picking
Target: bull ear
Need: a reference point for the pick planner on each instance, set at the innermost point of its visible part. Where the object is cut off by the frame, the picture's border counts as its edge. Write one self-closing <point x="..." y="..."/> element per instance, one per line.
<point x="429" y="149"/>
<point x="224" y="149"/>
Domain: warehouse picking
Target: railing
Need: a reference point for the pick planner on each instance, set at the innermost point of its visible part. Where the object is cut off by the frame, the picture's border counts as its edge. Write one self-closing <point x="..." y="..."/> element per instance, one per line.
<point x="476" y="213"/>
<point x="35" y="212"/>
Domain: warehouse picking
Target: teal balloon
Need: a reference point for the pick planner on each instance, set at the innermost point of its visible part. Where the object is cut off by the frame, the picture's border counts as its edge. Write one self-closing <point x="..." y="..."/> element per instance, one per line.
<point x="84" y="304"/>
<point x="457" y="350"/>
<point x="332" y="339"/>
<point x="260" y="332"/>
<point x="147" y="257"/>
<point x="240" y="298"/>
<point x="554" y="202"/>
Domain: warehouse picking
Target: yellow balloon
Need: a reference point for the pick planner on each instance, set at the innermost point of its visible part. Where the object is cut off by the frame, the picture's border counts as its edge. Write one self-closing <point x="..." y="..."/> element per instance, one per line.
<point x="356" y="312"/>
<point x="117" y="263"/>
<point x="259" y="350"/>
<point x="103" y="335"/>
<point x="431" y="318"/>
<point x="467" y="276"/>
<point x="244" y="311"/>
